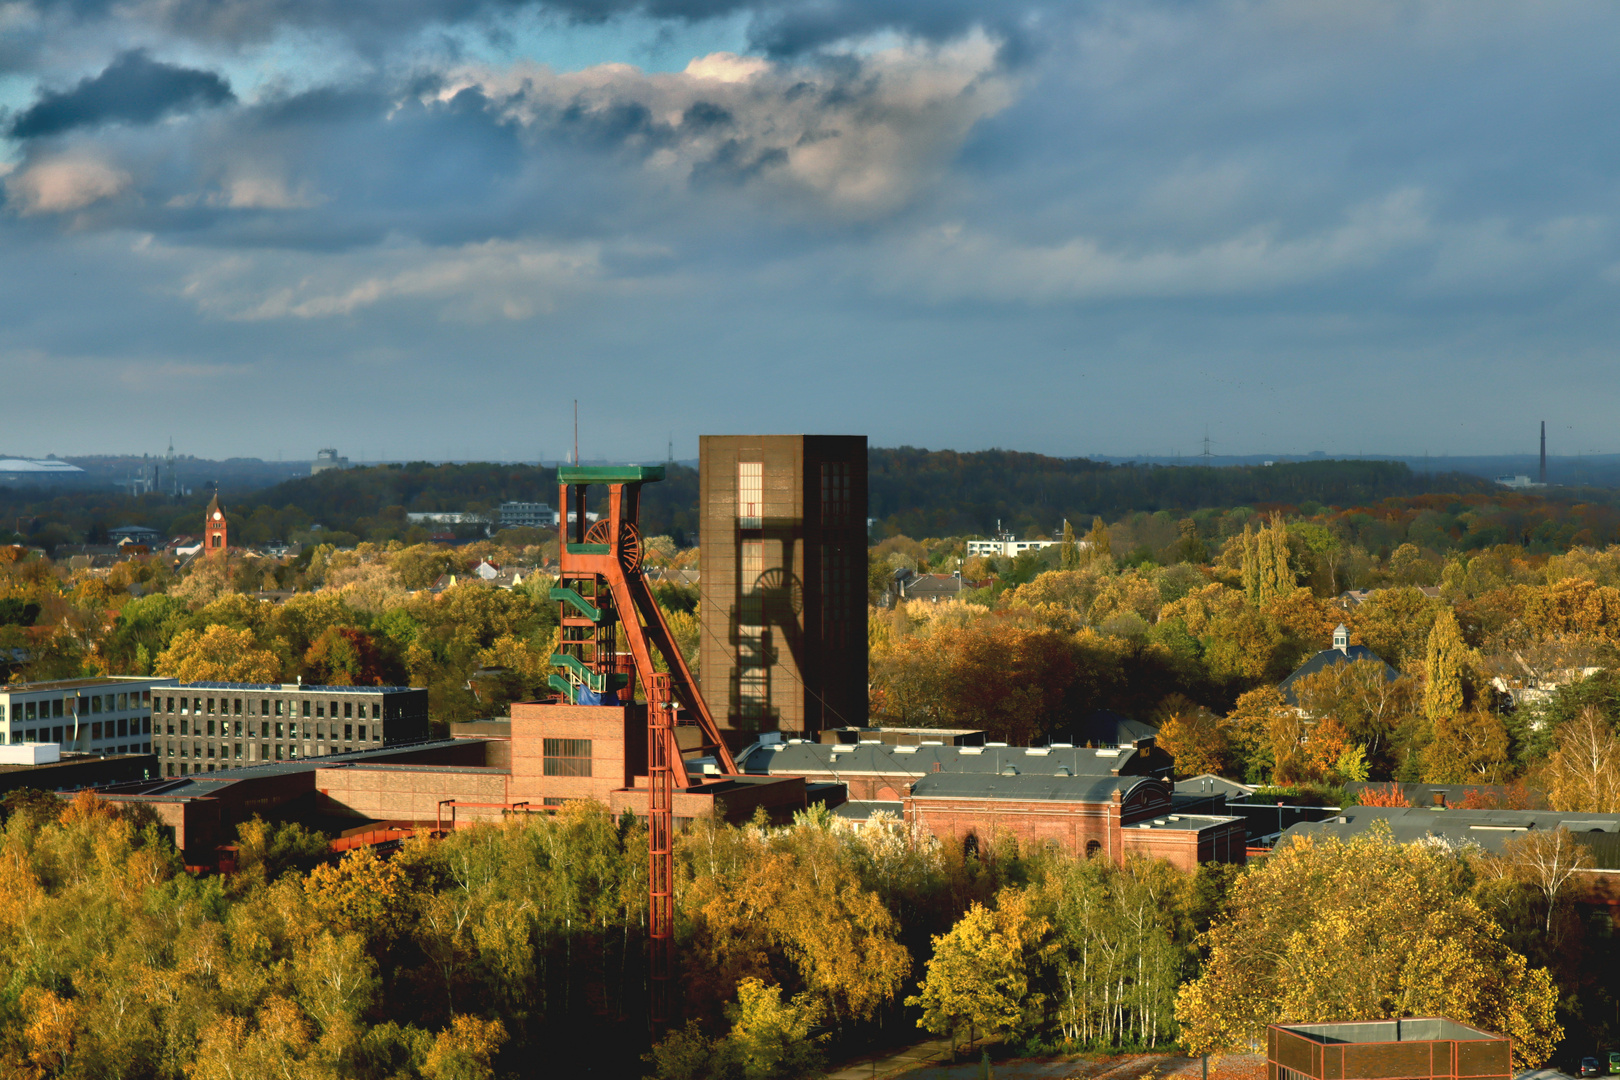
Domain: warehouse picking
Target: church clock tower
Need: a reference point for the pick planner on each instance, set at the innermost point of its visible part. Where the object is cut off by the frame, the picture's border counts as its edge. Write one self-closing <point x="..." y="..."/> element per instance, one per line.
<point x="215" y="527"/>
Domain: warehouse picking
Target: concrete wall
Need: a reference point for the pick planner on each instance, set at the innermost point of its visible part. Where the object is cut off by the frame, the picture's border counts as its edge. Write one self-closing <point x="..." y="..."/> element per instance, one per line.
<point x="618" y="749"/>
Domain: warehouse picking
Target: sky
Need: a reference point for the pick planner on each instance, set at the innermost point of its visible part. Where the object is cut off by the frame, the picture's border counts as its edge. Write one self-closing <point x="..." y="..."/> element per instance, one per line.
<point x="424" y="228"/>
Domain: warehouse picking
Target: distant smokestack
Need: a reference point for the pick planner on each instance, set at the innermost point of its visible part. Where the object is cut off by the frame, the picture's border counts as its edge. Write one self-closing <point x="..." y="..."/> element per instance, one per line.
<point x="1543" y="476"/>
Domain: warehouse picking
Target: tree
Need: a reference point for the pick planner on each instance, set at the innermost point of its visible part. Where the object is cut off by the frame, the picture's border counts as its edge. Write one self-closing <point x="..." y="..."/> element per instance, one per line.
<point x="218" y="654"/>
<point x="1099" y="546"/>
<point x="1584" y="773"/>
<point x="1194" y="737"/>
<point x="1251" y="565"/>
<point x="980" y="971"/>
<point x="1467" y="746"/>
<point x="1069" y="556"/>
<point x="1364" y="929"/>
<point x="1443" y="670"/>
<point x="1547" y="860"/>
<point x="769" y="1038"/>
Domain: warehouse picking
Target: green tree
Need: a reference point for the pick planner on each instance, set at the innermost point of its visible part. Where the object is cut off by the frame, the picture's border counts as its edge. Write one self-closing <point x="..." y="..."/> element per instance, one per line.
<point x="1069" y="555"/>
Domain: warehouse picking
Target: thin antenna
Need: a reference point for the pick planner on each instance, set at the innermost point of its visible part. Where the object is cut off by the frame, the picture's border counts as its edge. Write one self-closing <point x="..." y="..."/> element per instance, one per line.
<point x="1208" y="442"/>
<point x="1543" y="476"/>
<point x="576" y="431"/>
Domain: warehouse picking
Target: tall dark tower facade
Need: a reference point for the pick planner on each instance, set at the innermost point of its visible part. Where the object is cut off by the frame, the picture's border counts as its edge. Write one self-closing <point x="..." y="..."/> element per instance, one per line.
<point x="1543" y="476"/>
<point x="783" y="538"/>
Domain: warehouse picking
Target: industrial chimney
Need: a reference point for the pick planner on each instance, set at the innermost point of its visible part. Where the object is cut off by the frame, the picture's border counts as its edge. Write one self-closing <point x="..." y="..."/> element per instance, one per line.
<point x="1543" y="476"/>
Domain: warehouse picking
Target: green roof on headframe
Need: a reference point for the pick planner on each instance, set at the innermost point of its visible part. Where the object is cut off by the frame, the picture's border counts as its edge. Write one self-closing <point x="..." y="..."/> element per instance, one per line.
<point x="608" y="474"/>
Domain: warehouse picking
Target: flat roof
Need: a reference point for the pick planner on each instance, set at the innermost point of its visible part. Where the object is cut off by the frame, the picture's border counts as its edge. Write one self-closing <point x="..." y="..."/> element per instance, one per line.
<point x="1407" y="1029"/>
<point x="201" y="784"/>
<point x="295" y="688"/>
<point x="1185" y="822"/>
<point x="76" y="684"/>
<point x="1086" y="789"/>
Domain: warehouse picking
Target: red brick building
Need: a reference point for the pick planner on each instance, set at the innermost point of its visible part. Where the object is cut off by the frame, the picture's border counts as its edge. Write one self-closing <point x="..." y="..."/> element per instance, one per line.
<point x="1085" y="815"/>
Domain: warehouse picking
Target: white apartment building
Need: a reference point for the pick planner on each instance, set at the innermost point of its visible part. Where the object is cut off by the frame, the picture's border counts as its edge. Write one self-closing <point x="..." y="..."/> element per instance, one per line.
<point x="97" y="716"/>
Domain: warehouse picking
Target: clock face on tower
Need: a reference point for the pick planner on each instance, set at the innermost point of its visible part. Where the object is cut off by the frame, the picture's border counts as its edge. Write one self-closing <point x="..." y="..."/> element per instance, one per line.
<point x="216" y="515"/>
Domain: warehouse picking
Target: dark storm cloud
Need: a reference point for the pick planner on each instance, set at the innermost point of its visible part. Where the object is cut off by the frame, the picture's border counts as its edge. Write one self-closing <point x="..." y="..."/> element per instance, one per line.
<point x="134" y="89"/>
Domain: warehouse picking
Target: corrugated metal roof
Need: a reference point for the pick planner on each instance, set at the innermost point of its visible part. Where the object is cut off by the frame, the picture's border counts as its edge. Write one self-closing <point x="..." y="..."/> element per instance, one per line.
<point x="1488" y="829"/>
<point x="1024" y="788"/>
<point x="881" y="759"/>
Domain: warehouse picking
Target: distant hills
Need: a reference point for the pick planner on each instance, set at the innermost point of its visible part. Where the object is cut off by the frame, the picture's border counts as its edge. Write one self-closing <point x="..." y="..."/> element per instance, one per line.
<point x="915" y="491"/>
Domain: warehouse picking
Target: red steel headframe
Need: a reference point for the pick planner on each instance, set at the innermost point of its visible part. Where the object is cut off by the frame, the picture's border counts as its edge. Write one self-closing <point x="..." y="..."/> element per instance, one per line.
<point x="605" y="559"/>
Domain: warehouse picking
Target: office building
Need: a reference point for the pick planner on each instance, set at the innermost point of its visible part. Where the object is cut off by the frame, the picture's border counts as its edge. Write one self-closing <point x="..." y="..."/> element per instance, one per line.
<point x="783" y="538"/>
<point x="93" y="716"/>
<point x="211" y="726"/>
<point x="527" y="515"/>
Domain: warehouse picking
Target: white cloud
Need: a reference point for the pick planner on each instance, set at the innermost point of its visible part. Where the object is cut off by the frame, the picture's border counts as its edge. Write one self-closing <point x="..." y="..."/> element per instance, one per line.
<point x="859" y="140"/>
<point x="63" y="184"/>
<point x="494" y="280"/>
<point x="953" y="262"/>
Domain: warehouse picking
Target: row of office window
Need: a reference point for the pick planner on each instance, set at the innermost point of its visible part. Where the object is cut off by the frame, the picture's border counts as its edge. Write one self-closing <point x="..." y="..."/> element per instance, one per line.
<point x="95" y="704"/>
<point x="96" y="731"/>
<point x="321" y="708"/>
<point x="281" y="729"/>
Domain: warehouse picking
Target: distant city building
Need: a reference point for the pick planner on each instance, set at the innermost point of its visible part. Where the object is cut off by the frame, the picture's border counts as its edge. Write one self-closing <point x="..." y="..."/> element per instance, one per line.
<point x="527" y="515"/>
<point x="133" y="534"/>
<point x="325" y="460"/>
<point x="206" y="726"/>
<point x="783" y="551"/>
<point x="50" y="471"/>
<point x="446" y="517"/>
<point x="1518" y="483"/>
<point x="105" y="716"/>
<point x="1006" y="547"/>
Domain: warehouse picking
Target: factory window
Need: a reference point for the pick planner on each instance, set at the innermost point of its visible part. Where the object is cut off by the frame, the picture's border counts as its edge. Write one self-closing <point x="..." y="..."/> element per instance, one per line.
<point x="750" y="494"/>
<point x="278" y="731"/>
<point x="236" y="706"/>
<point x="95" y="704"/>
<point x="210" y="706"/>
<point x="185" y="751"/>
<point x="210" y="749"/>
<point x="362" y="733"/>
<point x="210" y="729"/>
<point x="146" y="697"/>
<point x="348" y="733"/>
<point x="28" y="713"/>
<point x="278" y="709"/>
<point x="835" y="503"/>
<point x="171" y="768"/>
<point x="320" y="709"/>
<point x="348" y="710"/>
<point x="196" y="706"/>
<point x="236" y="751"/>
<point x="171" y="749"/>
<point x="56" y="734"/>
<point x="566" y="757"/>
<point x="306" y="707"/>
<point x="123" y="727"/>
<point x="278" y="751"/>
<point x="95" y="731"/>
<point x="182" y="770"/>
<point x="264" y="729"/>
<point x="28" y="736"/>
<point x="264" y="707"/>
<point x="376" y="732"/>
<point x="56" y="707"/>
<point x="376" y="711"/>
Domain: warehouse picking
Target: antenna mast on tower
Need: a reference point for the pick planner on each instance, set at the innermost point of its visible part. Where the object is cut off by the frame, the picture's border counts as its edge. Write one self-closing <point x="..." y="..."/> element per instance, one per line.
<point x="1543" y="476"/>
<point x="1208" y="442"/>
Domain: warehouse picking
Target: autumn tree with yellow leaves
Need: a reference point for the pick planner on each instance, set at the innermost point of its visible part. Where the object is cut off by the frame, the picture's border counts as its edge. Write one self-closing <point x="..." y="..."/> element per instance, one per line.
<point x="1366" y="929"/>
